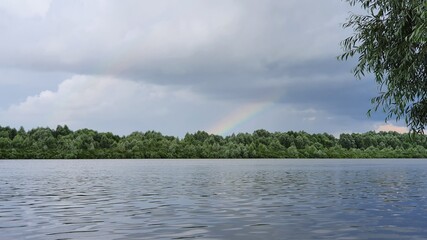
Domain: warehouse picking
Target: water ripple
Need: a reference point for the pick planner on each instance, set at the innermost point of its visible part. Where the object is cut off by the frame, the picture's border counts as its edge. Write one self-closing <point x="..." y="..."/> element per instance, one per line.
<point x="213" y="199"/>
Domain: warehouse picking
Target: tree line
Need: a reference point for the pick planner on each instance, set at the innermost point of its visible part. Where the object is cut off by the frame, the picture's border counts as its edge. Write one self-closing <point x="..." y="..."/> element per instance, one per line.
<point x="63" y="143"/>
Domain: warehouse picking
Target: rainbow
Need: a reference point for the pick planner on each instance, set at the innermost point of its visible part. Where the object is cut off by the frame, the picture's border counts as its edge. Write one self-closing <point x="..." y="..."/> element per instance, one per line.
<point x="239" y="117"/>
<point x="224" y="125"/>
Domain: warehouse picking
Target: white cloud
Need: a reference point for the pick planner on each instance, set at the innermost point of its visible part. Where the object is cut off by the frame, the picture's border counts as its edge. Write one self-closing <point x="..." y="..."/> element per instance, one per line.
<point x="175" y="37"/>
<point x="104" y="103"/>
<point x="390" y="127"/>
<point x="26" y="8"/>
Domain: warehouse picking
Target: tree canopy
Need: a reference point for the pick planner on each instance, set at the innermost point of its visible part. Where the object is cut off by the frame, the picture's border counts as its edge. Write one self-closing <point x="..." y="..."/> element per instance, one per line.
<point x="63" y="143"/>
<point x="390" y="41"/>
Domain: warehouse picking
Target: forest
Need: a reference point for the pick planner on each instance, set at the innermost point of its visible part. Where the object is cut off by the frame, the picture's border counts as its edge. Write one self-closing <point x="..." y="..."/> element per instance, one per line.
<point x="63" y="143"/>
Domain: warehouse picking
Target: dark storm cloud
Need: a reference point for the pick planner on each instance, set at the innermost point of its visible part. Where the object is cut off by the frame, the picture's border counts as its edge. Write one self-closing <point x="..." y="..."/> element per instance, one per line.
<point x="328" y="85"/>
<point x="349" y="99"/>
<point x="322" y="84"/>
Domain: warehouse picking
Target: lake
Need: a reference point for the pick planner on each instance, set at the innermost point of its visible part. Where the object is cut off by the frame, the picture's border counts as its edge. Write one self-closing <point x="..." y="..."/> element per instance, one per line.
<point x="213" y="199"/>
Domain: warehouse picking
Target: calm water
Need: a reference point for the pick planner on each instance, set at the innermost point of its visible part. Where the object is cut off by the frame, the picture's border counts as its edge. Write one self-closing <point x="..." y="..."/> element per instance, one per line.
<point x="213" y="199"/>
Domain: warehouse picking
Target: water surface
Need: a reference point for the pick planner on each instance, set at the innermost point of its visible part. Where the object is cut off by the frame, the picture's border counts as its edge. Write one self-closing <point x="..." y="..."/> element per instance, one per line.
<point x="213" y="199"/>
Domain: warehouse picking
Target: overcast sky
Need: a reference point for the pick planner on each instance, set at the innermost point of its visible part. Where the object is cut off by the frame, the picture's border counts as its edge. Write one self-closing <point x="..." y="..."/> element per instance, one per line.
<point x="178" y="66"/>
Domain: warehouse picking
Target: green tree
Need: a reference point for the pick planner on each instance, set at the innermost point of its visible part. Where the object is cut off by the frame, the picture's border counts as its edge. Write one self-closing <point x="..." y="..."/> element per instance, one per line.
<point x="390" y="41"/>
<point x="62" y="130"/>
<point x="292" y="152"/>
<point x="5" y="143"/>
<point x="346" y="141"/>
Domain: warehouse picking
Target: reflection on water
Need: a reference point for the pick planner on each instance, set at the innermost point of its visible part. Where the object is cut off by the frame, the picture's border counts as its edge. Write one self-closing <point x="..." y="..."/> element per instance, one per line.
<point x="213" y="199"/>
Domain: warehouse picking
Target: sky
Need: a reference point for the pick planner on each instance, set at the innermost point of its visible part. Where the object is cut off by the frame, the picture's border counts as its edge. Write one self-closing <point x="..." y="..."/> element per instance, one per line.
<point x="178" y="66"/>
